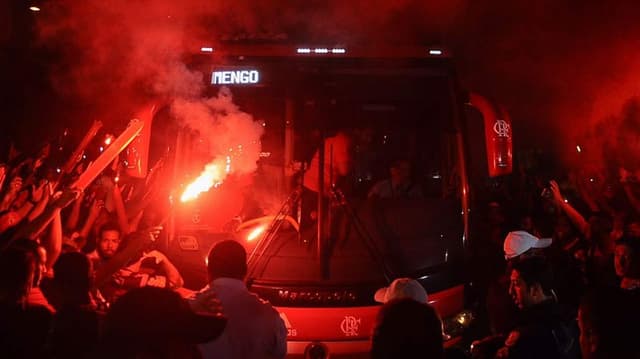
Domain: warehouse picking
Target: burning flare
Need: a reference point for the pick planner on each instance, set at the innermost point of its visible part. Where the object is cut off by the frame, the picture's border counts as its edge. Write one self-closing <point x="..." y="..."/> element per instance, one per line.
<point x="213" y="175"/>
<point x="256" y="233"/>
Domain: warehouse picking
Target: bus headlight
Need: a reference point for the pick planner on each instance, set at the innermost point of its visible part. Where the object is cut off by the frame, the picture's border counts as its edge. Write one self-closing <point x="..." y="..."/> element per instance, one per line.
<point x="455" y="325"/>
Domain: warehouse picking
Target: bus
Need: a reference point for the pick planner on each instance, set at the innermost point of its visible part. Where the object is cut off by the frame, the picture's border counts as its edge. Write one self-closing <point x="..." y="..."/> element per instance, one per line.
<point x="320" y="249"/>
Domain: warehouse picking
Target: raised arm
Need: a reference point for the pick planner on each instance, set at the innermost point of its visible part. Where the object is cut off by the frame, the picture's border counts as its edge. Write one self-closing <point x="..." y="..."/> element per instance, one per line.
<point x="94" y="211"/>
<point x="118" y="203"/>
<point x="586" y="193"/>
<point x="54" y="243"/>
<point x="33" y="229"/>
<point x="31" y="208"/>
<point x="11" y="193"/>
<point x="40" y="197"/>
<point x="574" y="216"/>
<point x="74" y="216"/>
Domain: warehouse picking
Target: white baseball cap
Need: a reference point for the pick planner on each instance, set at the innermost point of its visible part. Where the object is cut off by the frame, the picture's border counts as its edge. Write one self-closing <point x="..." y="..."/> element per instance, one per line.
<point x="402" y="288"/>
<point x="518" y="242"/>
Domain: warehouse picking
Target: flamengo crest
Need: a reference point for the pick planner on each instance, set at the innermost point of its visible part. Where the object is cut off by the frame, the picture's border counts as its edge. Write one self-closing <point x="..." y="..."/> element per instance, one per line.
<point x="350" y="326"/>
<point x="501" y="128"/>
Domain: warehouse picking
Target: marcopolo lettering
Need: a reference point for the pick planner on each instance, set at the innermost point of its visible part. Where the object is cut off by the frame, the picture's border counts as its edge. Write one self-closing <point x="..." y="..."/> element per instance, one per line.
<point x="235" y="77"/>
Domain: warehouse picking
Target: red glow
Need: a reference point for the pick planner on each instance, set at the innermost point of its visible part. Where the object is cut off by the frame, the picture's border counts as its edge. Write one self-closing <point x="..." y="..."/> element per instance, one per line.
<point x="211" y="176"/>
<point x="255" y="233"/>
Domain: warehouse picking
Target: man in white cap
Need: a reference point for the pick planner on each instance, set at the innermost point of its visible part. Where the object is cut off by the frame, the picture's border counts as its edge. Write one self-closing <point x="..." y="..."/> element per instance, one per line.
<point x="500" y="307"/>
<point x="518" y="243"/>
<point x="402" y="288"/>
<point x="568" y="281"/>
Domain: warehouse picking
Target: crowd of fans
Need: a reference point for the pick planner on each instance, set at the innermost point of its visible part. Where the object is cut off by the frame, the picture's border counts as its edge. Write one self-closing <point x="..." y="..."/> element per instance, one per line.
<point x="68" y="253"/>
<point x="555" y="266"/>
<point x="83" y="275"/>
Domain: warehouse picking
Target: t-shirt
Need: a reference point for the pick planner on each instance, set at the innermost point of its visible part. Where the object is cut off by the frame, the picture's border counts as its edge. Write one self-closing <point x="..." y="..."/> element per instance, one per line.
<point x="337" y="163"/>
<point x="145" y="271"/>
<point x="254" y="328"/>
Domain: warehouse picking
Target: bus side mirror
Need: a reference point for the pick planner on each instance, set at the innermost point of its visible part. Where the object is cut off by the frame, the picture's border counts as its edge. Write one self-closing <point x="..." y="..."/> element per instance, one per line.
<point x="498" y="135"/>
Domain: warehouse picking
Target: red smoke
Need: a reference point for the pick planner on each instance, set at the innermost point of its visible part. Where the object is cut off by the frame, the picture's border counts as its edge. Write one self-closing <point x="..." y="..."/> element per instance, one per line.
<point x="116" y="54"/>
<point x="558" y="67"/>
<point x="561" y="68"/>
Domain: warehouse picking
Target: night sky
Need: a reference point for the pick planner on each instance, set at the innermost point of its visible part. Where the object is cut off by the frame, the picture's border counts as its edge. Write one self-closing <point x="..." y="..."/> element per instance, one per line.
<point x="567" y="71"/>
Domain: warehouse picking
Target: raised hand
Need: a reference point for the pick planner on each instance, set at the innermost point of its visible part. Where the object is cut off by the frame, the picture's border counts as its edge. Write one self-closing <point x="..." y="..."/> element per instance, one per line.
<point x="96" y="206"/>
<point x="65" y="198"/>
<point x="16" y="184"/>
<point x="37" y="193"/>
<point x="154" y="232"/>
<point x="156" y="255"/>
<point x="555" y="190"/>
<point x="12" y="191"/>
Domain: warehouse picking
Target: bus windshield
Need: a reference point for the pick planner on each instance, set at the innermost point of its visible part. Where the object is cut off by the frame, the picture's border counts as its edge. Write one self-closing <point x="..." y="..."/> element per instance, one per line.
<point x="396" y="210"/>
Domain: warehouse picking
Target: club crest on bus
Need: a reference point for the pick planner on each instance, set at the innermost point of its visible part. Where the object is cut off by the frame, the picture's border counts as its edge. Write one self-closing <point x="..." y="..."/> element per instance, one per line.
<point x="350" y="326"/>
<point x="501" y="128"/>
